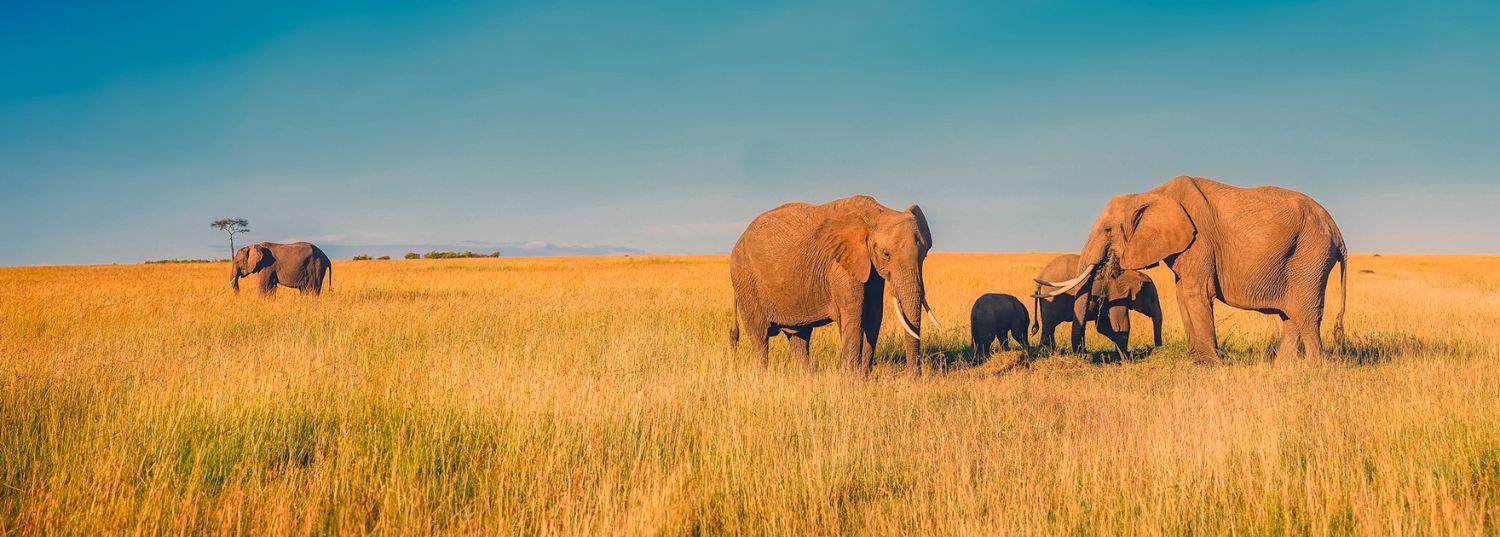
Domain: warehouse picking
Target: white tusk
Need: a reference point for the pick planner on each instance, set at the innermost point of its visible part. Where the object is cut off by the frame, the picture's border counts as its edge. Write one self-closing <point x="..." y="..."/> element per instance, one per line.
<point x="904" y="323"/>
<point x="1063" y="287"/>
<point x="931" y="316"/>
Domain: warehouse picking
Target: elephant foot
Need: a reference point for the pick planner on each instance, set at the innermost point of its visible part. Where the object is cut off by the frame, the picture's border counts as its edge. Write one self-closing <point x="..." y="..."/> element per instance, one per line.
<point x="1207" y="359"/>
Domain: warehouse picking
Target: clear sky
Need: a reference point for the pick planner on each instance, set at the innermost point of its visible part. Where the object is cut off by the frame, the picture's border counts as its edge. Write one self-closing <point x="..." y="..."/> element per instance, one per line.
<point x="367" y="125"/>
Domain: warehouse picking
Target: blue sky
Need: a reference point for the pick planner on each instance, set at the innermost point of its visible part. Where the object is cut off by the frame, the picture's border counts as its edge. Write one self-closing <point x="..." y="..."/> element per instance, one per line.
<point x="665" y="127"/>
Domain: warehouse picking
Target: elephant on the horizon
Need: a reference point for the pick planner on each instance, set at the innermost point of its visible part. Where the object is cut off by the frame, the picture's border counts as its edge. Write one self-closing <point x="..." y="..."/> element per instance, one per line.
<point x="801" y="266"/>
<point x="1107" y="303"/>
<point x="298" y="265"/>
<point x="1264" y="249"/>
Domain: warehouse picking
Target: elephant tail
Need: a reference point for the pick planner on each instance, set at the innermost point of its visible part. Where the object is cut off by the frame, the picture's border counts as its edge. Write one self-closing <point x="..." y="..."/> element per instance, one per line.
<point x="734" y="326"/>
<point x="329" y="274"/>
<point x="1339" y="338"/>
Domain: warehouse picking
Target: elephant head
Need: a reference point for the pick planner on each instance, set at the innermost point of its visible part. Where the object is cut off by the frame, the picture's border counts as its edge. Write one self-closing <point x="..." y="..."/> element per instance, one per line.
<point x="247" y="261"/>
<point x="1135" y="231"/>
<point x="894" y="246"/>
<point x="1115" y="290"/>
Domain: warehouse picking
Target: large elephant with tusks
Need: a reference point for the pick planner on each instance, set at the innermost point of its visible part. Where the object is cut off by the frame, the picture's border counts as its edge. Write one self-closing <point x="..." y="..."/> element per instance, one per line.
<point x="1264" y="249"/>
<point x="801" y="266"/>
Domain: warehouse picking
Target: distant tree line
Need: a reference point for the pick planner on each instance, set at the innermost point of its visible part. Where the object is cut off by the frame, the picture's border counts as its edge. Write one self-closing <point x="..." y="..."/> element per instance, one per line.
<point x="432" y="255"/>
<point x="162" y="261"/>
<point x="452" y="255"/>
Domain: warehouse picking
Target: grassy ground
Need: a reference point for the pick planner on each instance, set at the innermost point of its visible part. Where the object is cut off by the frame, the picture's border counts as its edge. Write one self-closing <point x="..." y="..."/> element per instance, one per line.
<point x="599" y="396"/>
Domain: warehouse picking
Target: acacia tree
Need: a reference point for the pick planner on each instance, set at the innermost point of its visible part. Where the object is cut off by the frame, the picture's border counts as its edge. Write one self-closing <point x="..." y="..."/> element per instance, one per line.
<point x="231" y="226"/>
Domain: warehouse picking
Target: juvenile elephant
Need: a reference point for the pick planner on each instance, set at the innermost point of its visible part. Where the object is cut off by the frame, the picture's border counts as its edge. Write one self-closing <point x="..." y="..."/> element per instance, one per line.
<point x="1264" y="249"/>
<point x="1108" y="303"/>
<point x="298" y="265"/>
<point x="994" y="316"/>
<point x="801" y="266"/>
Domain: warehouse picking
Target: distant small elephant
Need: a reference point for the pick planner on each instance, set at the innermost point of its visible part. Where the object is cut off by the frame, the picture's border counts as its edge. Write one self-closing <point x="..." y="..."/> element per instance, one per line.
<point x="298" y="265"/>
<point x="997" y="315"/>
<point x="1108" y="302"/>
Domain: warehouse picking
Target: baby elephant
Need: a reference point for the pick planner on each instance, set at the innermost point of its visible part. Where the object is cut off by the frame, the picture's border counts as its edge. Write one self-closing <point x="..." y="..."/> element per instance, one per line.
<point x="995" y="315"/>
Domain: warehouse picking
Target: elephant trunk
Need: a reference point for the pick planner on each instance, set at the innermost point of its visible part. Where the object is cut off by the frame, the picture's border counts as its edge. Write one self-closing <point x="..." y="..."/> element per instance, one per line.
<point x="1036" y="312"/>
<point x="910" y="298"/>
<point x="1094" y="250"/>
<point x="1088" y="261"/>
<point x="234" y="277"/>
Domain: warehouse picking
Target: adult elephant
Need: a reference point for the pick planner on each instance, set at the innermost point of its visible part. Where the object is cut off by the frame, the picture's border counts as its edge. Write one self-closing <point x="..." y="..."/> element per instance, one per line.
<point x="1108" y="302"/>
<point x="801" y="266"/>
<point x="298" y="265"/>
<point x="1264" y="249"/>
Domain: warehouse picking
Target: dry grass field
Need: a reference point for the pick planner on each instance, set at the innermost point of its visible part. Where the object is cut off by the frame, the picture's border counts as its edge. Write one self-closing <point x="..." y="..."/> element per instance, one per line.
<point x="598" y="396"/>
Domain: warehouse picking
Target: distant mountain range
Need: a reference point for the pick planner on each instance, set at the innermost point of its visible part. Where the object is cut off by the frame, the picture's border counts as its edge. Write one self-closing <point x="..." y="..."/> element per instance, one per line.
<point x="507" y="249"/>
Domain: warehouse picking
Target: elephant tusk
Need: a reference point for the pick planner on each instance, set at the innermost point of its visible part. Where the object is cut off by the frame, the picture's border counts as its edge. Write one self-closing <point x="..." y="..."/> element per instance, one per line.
<point x="1063" y="287"/>
<point x="904" y="323"/>
<point x="931" y="316"/>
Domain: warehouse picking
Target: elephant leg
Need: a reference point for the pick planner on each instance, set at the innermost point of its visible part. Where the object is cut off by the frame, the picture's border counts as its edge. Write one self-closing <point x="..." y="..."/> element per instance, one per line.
<point x="1311" y="326"/>
<point x="759" y="333"/>
<point x="851" y="342"/>
<point x="1122" y="344"/>
<point x="1156" y="327"/>
<point x="267" y="281"/>
<point x="1048" y="338"/>
<point x="1198" y="314"/>
<point x="871" y="311"/>
<point x="981" y="339"/>
<point x="1082" y="312"/>
<point x="799" y="342"/>
<point x="1304" y="305"/>
<point x="1075" y="338"/>
<point x="1019" y="333"/>
<point x="1004" y="341"/>
<point x="1149" y="304"/>
<point x="1290" y="335"/>
<point x="316" y="285"/>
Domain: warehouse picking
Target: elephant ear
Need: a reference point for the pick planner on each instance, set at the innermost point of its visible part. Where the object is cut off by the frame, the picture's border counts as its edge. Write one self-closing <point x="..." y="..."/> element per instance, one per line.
<point x="850" y="236"/>
<point x="1158" y="227"/>
<point x="260" y="257"/>
<point x="1123" y="287"/>
<point x="922" y="230"/>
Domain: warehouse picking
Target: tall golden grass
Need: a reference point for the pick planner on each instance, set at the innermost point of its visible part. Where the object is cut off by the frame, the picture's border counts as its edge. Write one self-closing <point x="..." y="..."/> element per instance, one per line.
<point x="598" y="396"/>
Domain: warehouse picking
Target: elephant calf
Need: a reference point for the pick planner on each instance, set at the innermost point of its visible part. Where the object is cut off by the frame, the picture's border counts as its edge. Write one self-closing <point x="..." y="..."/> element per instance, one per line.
<point x="997" y="315"/>
<point x="298" y="265"/>
<point x="1106" y="297"/>
<point x="1130" y="290"/>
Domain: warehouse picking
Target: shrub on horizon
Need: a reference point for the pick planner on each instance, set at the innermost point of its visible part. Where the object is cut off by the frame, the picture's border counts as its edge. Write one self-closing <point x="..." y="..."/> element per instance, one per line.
<point x="456" y="255"/>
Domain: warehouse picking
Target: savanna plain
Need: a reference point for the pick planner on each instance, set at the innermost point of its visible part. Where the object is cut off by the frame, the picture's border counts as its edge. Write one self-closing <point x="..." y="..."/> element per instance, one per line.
<point x="600" y="396"/>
